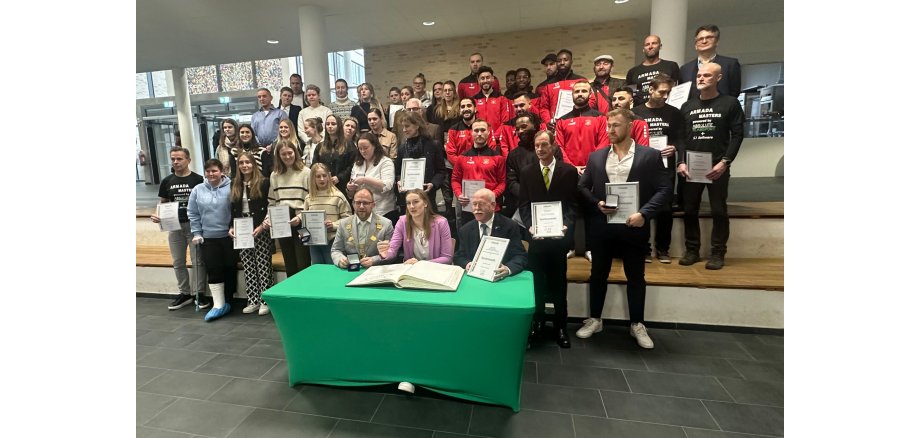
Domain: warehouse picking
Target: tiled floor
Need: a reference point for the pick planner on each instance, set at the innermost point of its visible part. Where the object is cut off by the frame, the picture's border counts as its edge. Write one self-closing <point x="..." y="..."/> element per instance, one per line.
<point x="228" y="378"/>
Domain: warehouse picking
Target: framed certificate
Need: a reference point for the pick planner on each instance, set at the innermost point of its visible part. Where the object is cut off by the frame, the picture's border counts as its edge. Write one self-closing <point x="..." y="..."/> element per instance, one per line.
<point x="488" y="257"/>
<point x="547" y="219"/>
<point x="279" y="216"/>
<point x="698" y="165"/>
<point x="315" y="222"/>
<point x="412" y="173"/>
<point x="679" y="94"/>
<point x="470" y="186"/>
<point x="626" y="197"/>
<point x="242" y="227"/>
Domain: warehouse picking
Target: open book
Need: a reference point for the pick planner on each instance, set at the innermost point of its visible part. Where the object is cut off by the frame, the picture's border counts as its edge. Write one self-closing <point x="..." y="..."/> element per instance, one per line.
<point x="421" y="275"/>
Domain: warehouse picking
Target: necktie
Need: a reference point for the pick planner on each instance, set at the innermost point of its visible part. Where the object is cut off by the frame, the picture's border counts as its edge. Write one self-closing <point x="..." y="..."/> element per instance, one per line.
<point x="485" y="230"/>
<point x="546" y="177"/>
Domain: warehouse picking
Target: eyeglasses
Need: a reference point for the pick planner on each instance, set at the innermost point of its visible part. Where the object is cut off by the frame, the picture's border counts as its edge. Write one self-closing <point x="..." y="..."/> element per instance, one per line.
<point x="362" y="203"/>
<point x="413" y="109"/>
<point x="704" y="38"/>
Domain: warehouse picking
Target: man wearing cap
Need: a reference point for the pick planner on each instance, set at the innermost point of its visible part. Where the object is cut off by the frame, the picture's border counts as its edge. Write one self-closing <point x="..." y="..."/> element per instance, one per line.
<point x="603" y="84"/>
<point x="469" y="86"/>
<point x="707" y="39"/>
<point x="641" y="75"/>
<point x="549" y="67"/>
<point x="564" y="80"/>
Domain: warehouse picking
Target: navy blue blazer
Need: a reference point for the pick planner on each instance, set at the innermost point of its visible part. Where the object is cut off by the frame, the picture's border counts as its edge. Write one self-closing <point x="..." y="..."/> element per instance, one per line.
<point x="468" y="241"/>
<point x="731" y="76"/>
<point x="647" y="169"/>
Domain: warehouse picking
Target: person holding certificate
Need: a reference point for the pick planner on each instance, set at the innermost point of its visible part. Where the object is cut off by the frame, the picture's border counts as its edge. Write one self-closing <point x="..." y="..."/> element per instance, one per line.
<point x="325" y="196"/>
<point x="409" y="175"/>
<point x="623" y="161"/>
<point x="549" y="181"/>
<point x="209" y="213"/>
<point x="290" y="183"/>
<point x="249" y="201"/>
<point x="483" y="162"/>
<point x="488" y="223"/>
<point x="420" y="233"/>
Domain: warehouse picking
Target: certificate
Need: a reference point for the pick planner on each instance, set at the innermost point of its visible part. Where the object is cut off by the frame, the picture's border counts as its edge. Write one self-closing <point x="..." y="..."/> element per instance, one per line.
<point x="679" y="94"/>
<point x="488" y="257"/>
<point x="470" y="186"/>
<point x="564" y="105"/>
<point x="547" y="219"/>
<point x="627" y="195"/>
<point x="413" y="173"/>
<point x="168" y="212"/>
<point x="315" y="222"/>
<point x="393" y="109"/>
<point x="659" y="142"/>
<point x="242" y="227"/>
<point x="279" y="216"/>
<point x="698" y="165"/>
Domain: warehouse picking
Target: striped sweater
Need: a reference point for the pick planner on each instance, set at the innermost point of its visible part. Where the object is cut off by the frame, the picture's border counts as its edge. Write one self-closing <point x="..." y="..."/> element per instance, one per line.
<point x="289" y="188"/>
<point x="335" y="206"/>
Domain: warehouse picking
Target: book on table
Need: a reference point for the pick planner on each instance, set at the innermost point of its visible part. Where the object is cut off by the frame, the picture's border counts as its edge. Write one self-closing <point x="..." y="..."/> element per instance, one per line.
<point x="421" y="275"/>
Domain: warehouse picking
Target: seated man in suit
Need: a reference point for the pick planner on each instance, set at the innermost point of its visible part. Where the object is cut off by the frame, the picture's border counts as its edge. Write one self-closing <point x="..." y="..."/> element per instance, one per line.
<point x="490" y="224"/>
<point x="622" y="161"/>
<point x="359" y="234"/>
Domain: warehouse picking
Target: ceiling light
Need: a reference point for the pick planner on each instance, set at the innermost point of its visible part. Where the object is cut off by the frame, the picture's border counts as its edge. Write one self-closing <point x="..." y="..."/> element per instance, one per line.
<point x="428" y="23"/>
<point x="272" y="41"/>
<point x="619" y="2"/>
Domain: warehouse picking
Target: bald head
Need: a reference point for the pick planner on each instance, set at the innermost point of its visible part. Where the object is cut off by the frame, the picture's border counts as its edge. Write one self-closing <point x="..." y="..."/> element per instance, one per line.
<point x="651" y="47"/>
<point x="707" y="79"/>
<point x="483" y="203"/>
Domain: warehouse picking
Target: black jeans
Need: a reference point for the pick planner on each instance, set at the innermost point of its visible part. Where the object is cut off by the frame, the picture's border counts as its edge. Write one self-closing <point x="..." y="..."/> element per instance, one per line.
<point x="220" y="262"/>
<point x="611" y="241"/>
<point x="718" y="200"/>
<point x="546" y="260"/>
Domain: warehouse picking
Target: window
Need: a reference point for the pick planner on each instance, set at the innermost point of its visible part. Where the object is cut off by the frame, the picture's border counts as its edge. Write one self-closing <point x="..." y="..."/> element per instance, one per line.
<point x="202" y="79"/>
<point x="236" y="77"/>
<point x="142" y="86"/>
<point x="268" y="74"/>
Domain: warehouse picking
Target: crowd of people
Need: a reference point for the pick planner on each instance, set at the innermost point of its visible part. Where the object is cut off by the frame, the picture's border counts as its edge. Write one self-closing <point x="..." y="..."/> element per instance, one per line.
<point x="495" y="153"/>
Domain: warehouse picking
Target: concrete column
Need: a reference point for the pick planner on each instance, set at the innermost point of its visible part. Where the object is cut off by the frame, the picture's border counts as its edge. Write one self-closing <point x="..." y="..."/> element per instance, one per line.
<point x="669" y="21"/>
<point x="313" y="49"/>
<point x="187" y="125"/>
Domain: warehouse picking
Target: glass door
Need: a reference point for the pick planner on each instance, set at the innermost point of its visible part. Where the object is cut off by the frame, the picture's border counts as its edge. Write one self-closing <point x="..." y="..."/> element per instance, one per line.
<point x="161" y="136"/>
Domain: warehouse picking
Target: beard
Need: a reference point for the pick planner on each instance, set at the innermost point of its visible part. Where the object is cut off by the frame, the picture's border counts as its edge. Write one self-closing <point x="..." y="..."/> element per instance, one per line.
<point x="580" y="101"/>
<point x="527" y="136"/>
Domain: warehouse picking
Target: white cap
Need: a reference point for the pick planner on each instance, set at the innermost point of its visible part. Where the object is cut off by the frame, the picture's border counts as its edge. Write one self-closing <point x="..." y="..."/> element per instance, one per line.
<point x="607" y="57"/>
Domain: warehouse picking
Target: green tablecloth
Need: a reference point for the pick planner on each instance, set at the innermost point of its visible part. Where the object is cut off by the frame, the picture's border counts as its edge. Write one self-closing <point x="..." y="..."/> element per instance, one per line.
<point x="468" y="344"/>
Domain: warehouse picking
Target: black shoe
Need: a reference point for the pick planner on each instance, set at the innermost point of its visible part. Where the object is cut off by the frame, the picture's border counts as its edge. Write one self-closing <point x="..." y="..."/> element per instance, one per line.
<point x="181" y="301"/>
<point x="716" y="261"/>
<point x="536" y="329"/>
<point x="203" y="302"/>
<point x="562" y="338"/>
<point x="677" y="207"/>
<point x="689" y="258"/>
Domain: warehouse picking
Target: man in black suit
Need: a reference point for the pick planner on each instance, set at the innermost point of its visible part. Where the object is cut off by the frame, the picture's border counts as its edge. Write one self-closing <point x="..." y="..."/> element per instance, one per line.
<point x="284" y="102"/>
<point x="549" y="180"/>
<point x="707" y="39"/>
<point x="623" y="161"/>
<point x="488" y="223"/>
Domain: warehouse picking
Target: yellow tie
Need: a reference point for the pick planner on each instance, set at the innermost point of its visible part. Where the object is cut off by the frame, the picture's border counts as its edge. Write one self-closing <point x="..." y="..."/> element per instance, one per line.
<point x="546" y="177"/>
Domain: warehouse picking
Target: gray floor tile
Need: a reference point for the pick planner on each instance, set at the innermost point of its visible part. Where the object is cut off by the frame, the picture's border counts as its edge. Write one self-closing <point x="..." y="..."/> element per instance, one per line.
<point x="561" y="399"/>
<point x="706" y="433"/>
<point x="448" y="435"/>
<point x="530" y="372"/>
<point x="754" y="392"/>
<point x="357" y="429"/>
<point x="149" y="405"/>
<point x="335" y="402"/>
<point x="151" y="322"/>
<point x="759" y="371"/>
<point x="215" y="328"/>
<point x="657" y="409"/>
<point x="142" y="351"/>
<point x="178" y="339"/>
<point x="763" y="352"/>
<point x="237" y="366"/>
<point x="600" y="427"/>
<point x="605" y="358"/>
<point x="703" y="335"/>
<point x="617" y="338"/>
<point x="255" y="393"/>
<point x="682" y="364"/>
<point x="699" y="347"/>
<point x="185" y="384"/>
<point x="222" y="344"/>
<point x="260" y="331"/>
<point x="183" y="360"/>
<point x="771" y="340"/>
<point x="278" y="373"/>
<point x="200" y="417"/>
<point x="497" y="421"/>
<point x="148" y="432"/>
<point x="143" y="375"/>
<point x="275" y="424"/>
<point x="424" y="413"/>
<point x="141" y="332"/>
<point x="678" y="385"/>
<point x="266" y="348"/>
<point x="582" y="377"/>
<point x="733" y="417"/>
<point x="543" y="352"/>
<point x="153" y="337"/>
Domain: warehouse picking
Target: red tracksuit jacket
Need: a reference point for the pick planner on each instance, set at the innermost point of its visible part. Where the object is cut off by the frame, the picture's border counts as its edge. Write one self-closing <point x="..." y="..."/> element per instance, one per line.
<point x="486" y="165"/>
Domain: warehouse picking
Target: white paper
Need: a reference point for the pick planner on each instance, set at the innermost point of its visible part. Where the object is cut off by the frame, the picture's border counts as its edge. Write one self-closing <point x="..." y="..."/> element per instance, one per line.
<point x="698" y="165"/>
<point x="413" y="173"/>
<point x="659" y="142"/>
<point x="628" y="202"/>
<point x="547" y="219"/>
<point x="393" y="110"/>
<point x="168" y="212"/>
<point x="679" y="94"/>
<point x="242" y="227"/>
<point x="488" y="257"/>
<point x="279" y="216"/>
<point x="315" y="222"/>
<point x="564" y="103"/>
<point x="470" y="186"/>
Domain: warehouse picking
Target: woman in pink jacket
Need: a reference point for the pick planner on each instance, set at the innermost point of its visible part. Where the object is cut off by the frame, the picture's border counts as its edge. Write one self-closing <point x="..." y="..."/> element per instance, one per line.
<point x="420" y="233"/>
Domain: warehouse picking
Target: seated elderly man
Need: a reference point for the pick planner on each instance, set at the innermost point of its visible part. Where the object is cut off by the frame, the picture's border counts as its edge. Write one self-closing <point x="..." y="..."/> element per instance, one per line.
<point x="488" y="223"/>
<point x="359" y="234"/>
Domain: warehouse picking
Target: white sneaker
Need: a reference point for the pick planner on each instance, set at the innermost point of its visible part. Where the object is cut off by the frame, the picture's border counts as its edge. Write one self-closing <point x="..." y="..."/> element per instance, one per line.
<point x="251" y="308"/>
<point x="592" y="326"/>
<point x="570" y="254"/>
<point x="263" y="309"/>
<point x="407" y="387"/>
<point x="639" y="332"/>
<point x="588" y="255"/>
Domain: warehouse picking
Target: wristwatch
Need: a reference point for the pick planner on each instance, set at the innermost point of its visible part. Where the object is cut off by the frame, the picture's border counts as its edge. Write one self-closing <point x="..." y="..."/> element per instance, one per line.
<point x="726" y="161"/>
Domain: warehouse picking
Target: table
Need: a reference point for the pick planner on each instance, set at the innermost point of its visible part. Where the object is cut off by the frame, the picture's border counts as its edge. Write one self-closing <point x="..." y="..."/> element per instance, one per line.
<point x="467" y="344"/>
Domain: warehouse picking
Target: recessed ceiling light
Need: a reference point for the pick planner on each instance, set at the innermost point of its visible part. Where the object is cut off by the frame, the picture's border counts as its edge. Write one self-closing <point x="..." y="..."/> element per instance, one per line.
<point x="619" y="2"/>
<point x="428" y="23"/>
<point x="272" y="41"/>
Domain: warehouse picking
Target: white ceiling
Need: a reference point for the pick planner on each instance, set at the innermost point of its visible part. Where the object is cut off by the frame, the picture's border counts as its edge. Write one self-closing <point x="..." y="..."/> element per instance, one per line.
<point x="190" y="33"/>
